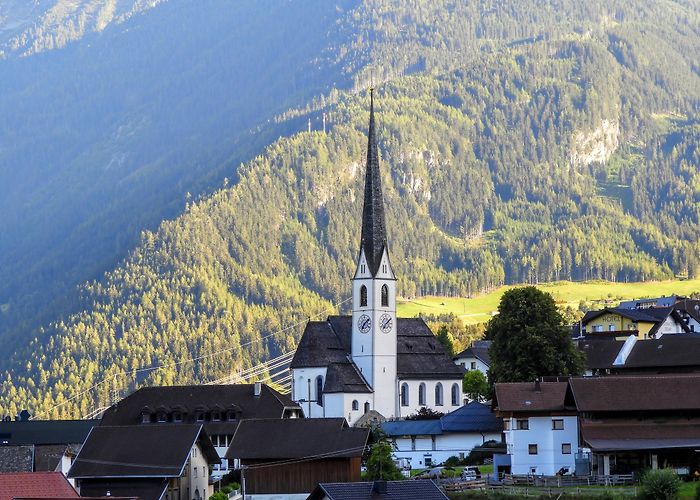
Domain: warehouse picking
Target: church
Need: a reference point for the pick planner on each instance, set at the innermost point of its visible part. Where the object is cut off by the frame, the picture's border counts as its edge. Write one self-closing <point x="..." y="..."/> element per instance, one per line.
<point x="348" y="366"/>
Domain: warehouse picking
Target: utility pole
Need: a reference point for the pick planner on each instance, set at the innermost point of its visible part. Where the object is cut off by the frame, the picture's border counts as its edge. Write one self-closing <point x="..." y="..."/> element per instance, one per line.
<point x="324" y="122"/>
<point x="309" y="125"/>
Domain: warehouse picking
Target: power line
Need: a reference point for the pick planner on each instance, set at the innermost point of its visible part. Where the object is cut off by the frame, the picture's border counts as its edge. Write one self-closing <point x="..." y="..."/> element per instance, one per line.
<point x="189" y="360"/>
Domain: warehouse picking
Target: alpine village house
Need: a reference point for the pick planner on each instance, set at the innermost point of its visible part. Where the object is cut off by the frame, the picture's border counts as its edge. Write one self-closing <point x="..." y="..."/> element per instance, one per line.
<point x="372" y="361"/>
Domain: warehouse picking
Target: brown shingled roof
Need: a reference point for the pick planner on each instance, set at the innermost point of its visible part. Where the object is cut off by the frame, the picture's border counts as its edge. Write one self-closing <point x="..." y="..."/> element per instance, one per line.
<point x="525" y="397"/>
<point x="635" y="434"/>
<point x="635" y="393"/>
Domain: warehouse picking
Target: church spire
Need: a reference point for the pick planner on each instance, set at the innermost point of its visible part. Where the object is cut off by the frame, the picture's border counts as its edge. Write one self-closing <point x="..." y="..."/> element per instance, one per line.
<point x="373" y="239"/>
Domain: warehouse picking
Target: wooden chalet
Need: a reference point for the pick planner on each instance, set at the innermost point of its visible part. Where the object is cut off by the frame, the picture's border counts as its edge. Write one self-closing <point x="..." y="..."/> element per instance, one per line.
<point x="292" y="456"/>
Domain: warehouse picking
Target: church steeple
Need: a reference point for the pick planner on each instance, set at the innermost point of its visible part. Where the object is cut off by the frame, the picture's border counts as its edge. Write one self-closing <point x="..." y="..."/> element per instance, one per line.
<point x="373" y="239"/>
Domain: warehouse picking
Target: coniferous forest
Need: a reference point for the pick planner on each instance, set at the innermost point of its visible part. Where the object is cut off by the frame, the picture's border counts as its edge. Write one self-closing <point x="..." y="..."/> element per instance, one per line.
<point x="521" y="142"/>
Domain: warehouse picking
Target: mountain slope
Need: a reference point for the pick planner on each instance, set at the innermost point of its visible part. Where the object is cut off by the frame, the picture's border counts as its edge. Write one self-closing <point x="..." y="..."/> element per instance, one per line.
<point x="486" y="181"/>
<point x="534" y="142"/>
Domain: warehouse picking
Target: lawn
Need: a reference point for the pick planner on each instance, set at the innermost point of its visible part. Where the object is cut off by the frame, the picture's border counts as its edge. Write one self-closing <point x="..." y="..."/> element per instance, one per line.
<point x="480" y="308"/>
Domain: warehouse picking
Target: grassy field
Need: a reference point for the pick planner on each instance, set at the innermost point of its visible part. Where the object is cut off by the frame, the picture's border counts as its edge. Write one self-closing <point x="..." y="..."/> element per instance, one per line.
<point x="479" y="309"/>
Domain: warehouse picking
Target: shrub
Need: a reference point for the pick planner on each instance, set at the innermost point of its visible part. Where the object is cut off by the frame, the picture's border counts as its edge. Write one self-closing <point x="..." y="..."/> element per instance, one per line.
<point x="660" y="484"/>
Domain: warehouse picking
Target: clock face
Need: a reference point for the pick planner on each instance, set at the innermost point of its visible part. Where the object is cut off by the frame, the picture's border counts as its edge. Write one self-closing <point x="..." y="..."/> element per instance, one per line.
<point x="385" y="323"/>
<point x="364" y="323"/>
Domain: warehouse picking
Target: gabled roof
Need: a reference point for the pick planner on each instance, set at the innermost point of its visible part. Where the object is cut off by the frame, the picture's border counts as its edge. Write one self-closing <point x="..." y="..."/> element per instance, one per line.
<point x="472" y="417"/>
<point x="528" y="397"/>
<point x="636" y="393"/>
<point x="140" y="451"/>
<point x="600" y="354"/>
<point x="651" y="315"/>
<point x="394" y="428"/>
<point x="479" y="349"/>
<point x="617" y="434"/>
<point x="419" y="354"/>
<point x="36" y="485"/>
<point x="373" y="237"/>
<point x="45" y="431"/>
<point x="279" y="439"/>
<point x="395" y="490"/>
<point x="344" y="377"/>
<point x="19" y="458"/>
<point x="645" y="303"/>
<point x="190" y="398"/>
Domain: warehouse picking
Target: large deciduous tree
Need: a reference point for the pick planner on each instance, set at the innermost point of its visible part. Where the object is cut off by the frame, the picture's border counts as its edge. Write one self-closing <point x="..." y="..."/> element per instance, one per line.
<point x="530" y="339"/>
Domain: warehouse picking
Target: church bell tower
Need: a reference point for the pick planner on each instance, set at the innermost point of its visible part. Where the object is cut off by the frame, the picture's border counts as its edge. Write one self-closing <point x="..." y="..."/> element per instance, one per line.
<point x="374" y="290"/>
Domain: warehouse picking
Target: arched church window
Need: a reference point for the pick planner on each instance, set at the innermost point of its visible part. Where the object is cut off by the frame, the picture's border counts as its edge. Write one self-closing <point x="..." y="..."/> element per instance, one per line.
<point x="438" y="394"/>
<point x="319" y="390"/>
<point x="385" y="296"/>
<point x="455" y="395"/>
<point x="366" y="406"/>
<point x="355" y="405"/>
<point x="404" y="394"/>
<point x="421" y="394"/>
<point x="363" y="296"/>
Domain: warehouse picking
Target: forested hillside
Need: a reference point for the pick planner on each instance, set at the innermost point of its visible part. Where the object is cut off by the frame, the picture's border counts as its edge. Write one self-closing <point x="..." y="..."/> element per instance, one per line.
<point x="520" y="143"/>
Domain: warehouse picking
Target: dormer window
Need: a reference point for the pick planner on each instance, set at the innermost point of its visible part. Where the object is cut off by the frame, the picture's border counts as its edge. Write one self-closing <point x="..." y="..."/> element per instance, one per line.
<point x="363" y="296"/>
<point x="177" y="416"/>
<point x="216" y="416"/>
<point x="200" y="416"/>
<point x="145" y="418"/>
<point x="231" y="415"/>
<point x="162" y="417"/>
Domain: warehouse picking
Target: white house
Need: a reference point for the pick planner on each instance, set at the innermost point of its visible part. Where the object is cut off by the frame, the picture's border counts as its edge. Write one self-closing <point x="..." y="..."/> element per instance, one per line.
<point x="372" y="360"/>
<point x="423" y="443"/>
<point x="475" y="357"/>
<point x="540" y="425"/>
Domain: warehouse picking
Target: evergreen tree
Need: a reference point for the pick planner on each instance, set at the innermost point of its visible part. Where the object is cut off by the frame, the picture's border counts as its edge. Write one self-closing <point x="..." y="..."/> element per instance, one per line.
<point x="529" y="339"/>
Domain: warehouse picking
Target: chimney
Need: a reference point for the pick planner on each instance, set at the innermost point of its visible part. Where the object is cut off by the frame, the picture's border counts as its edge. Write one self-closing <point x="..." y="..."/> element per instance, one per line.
<point x="538" y="387"/>
<point x="379" y="487"/>
<point x="257" y="388"/>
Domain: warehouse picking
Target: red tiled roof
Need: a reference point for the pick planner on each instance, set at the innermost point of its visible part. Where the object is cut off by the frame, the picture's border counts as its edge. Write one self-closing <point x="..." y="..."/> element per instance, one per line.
<point x="526" y="397"/>
<point x="35" y="485"/>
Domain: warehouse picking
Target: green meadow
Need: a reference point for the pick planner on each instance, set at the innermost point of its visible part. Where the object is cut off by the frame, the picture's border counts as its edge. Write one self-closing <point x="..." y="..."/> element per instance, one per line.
<point x="479" y="309"/>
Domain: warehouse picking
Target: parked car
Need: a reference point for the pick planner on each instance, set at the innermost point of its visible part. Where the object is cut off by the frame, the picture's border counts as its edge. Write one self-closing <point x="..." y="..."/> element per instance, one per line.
<point x="471" y="473"/>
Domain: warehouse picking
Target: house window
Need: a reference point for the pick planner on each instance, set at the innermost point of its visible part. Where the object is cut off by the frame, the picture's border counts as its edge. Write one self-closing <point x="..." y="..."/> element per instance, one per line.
<point x="597" y="328"/>
<point x="162" y="417"/>
<point x="421" y="394"/>
<point x="177" y="417"/>
<point x="363" y="296"/>
<point x="216" y="416"/>
<point x="195" y="472"/>
<point x="506" y="424"/>
<point x="385" y="296"/>
<point x="404" y="394"/>
<point x="566" y="448"/>
<point x="611" y="328"/>
<point x="473" y="365"/>
<point x="355" y="405"/>
<point x="438" y="394"/>
<point x="413" y="443"/>
<point x="522" y="425"/>
<point x="532" y="449"/>
<point x="145" y="418"/>
<point x="200" y="416"/>
<point x="231" y="415"/>
<point x="428" y="461"/>
<point x="455" y="394"/>
<point x="319" y="390"/>
<point x="366" y="406"/>
<point x="558" y="424"/>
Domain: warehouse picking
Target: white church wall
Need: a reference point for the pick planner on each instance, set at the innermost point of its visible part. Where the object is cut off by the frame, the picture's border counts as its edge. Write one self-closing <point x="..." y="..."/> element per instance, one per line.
<point x="413" y="400"/>
<point x="305" y="378"/>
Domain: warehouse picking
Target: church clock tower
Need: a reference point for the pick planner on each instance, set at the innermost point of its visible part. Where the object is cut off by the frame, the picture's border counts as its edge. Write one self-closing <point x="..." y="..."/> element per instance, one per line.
<point x="374" y="290"/>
